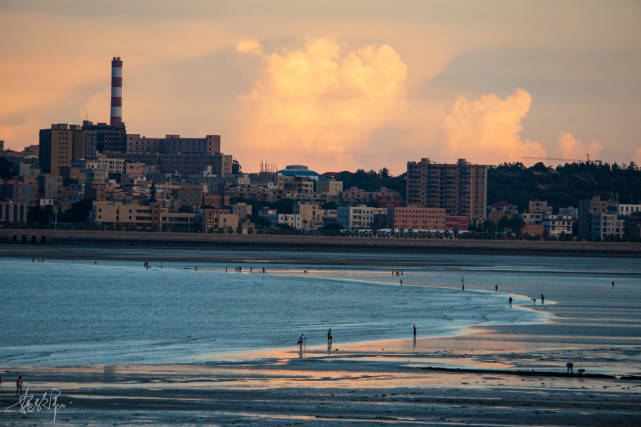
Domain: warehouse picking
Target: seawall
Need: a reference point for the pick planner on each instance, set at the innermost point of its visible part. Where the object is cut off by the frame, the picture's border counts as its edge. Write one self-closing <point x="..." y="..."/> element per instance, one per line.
<point x="310" y="243"/>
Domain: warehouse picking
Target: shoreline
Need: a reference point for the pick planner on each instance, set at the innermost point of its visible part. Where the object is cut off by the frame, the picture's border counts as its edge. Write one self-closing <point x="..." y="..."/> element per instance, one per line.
<point x="497" y="374"/>
<point x="361" y="385"/>
<point x="36" y="238"/>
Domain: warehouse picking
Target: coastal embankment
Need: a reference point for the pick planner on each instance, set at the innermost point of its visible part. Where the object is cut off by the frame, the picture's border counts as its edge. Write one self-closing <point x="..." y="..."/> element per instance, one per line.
<point x="312" y="243"/>
<point x="309" y="242"/>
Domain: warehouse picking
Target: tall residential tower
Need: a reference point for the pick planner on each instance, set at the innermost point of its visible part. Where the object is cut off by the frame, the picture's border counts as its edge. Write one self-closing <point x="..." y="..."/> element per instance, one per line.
<point x="461" y="188"/>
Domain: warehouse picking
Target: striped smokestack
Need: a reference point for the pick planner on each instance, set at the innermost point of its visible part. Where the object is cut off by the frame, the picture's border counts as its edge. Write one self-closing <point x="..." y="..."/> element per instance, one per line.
<point x="116" y="92"/>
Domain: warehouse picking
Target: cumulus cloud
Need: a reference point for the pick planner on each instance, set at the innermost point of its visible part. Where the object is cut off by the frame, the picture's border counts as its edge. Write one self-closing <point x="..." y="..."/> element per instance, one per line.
<point x="572" y="148"/>
<point x="321" y="102"/>
<point x="488" y="130"/>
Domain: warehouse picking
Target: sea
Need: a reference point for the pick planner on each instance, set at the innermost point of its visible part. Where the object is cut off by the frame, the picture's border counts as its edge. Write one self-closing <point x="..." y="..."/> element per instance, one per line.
<point x="68" y="311"/>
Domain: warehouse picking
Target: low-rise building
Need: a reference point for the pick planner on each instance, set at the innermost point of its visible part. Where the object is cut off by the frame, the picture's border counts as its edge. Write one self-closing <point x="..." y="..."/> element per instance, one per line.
<point x="13" y="212"/>
<point x="384" y="197"/>
<point x="137" y="214"/>
<point x="539" y="206"/>
<point x="607" y="226"/>
<point x="572" y="211"/>
<point x="360" y="217"/>
<point x="556" y="225"/>
<point x="329" y="186"/>
<point x="242" y="209"/>
<point x="222" y="220"/>
<point x="593" y="206"/>
<point x="628" y="209"/>
<point x="532" y="218"/>
<point x="458" y="222"/>
<point x="416" y="218"/>
<point x="532" y="229"/>
<point x="311" y="215"/>
<point x="500" y="210"/>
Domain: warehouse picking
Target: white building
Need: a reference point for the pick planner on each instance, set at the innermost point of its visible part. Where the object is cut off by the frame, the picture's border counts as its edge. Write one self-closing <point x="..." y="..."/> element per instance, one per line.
<point x="358" y="217"/>
<point x="275" y="218"/>
<point x="532" y="218"/>
<point x="628" y="209"/>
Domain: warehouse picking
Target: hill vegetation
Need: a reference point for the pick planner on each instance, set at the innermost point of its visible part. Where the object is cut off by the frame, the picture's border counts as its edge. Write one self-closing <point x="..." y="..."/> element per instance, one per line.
<point x="564" y="185"/>
<point x="561" y="186"/>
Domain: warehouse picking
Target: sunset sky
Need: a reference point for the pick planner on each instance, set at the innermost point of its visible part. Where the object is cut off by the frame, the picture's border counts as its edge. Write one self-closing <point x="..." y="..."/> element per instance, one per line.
<point x="336" y="85"/>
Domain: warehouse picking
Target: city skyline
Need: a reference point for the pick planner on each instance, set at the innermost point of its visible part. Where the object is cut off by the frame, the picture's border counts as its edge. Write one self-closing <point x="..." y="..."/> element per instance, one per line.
<point x="336" y="86"/>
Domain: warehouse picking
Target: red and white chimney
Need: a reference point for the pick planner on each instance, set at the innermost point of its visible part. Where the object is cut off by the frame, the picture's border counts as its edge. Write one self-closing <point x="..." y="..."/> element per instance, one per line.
<point x="116" y="92"/>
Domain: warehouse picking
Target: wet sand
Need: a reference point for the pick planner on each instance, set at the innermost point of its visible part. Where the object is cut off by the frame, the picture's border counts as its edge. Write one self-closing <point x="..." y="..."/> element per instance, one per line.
<point x="285" y="387"/>
<point x="385" y="382"/>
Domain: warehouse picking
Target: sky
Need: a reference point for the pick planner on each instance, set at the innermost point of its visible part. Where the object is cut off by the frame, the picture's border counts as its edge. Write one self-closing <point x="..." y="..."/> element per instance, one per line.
<point x="336" y="85"/>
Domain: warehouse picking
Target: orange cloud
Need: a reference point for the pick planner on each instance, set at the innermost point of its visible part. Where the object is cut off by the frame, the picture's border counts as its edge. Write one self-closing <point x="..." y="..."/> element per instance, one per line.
<point x="320" y="103"/>
<point x="572" y="148"/>
<point x="488" y="130"/>
<point x="637" y="156"/>
<point x="249" y="46"/>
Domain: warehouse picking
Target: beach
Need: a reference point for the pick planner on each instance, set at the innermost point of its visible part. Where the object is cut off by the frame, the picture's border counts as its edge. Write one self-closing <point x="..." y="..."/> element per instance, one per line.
<point x="483" y="374"/>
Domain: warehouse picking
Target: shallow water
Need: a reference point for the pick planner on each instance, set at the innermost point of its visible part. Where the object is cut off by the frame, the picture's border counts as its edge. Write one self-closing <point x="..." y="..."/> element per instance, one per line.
<point x="65" y="312"/>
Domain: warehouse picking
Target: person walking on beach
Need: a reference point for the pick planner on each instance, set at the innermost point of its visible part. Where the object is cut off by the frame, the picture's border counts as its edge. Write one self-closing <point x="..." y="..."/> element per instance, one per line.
<point x="496" y="288"/>
<point x="19" y="390"/>
<point x="510" y="301"/>
<point x="329" y="337"/>
<point x="542" y="299"/>
<point x="613" y="284"/>
<point x="414" y="327"/>
<point x="301" y="340"/>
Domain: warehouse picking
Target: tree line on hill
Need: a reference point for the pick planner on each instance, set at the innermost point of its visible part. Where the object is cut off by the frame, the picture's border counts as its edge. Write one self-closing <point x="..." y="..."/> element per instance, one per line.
<point x="562" y="186"/>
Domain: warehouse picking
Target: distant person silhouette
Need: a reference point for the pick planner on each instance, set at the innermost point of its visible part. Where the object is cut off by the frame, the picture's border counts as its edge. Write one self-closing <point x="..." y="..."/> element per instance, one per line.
<point x="329" y="337"/>
<point x="301" y="340"/>
<point x="570" y="368"/>
<point x="496" y="288"/>
<point x="510" y="301"/>
<point x="542" y="299"/>
<point x="613" y="284"/>
<point x="19" y="390"/>
<point x="414" y="327"/>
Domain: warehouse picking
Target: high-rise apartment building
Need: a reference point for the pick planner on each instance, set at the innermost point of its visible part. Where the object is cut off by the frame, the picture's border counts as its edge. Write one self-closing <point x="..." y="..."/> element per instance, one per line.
<point x="59" y="146"/>
<point x="460" y="188"/>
